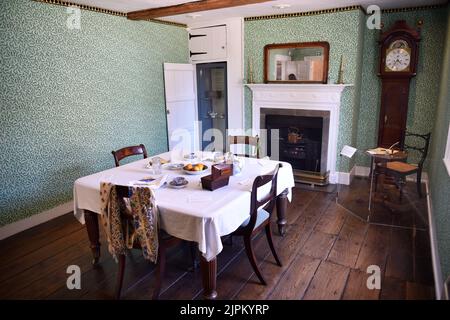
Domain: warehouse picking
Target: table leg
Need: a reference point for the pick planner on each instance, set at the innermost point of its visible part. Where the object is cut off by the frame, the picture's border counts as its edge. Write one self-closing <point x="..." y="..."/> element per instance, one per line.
<point x="91" y="219"/>
<point x="209" y="275"/>
<point x="282" y="201"/>
<point x="372" y="169"/>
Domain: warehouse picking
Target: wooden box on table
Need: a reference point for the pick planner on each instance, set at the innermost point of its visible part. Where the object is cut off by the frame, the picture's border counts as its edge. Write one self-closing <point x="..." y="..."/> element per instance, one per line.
<point x="219" y="177"/>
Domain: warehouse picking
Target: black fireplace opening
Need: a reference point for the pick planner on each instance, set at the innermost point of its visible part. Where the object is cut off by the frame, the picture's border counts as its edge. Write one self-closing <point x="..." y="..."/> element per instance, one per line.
<point x="300" y="140"/>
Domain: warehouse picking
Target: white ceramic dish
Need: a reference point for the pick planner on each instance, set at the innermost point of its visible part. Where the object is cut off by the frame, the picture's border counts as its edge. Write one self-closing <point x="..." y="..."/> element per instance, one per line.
<point x="178" y="186"/>
<point x="205" y="168"/>
<point x="173" y="166"/>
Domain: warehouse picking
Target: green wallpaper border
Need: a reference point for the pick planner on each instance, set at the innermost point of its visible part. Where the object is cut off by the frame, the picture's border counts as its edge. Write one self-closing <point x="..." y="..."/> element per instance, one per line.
<point x="105" y="11"/>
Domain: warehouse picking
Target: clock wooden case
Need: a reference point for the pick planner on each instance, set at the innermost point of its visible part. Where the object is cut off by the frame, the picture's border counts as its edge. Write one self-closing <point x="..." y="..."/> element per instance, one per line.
<point x="399" y="52"/>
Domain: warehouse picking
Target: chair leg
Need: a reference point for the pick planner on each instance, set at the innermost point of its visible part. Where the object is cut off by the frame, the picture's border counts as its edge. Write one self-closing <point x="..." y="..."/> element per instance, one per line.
<point x="419" y="183"/>
<point x="401" y="183"/>
<point x="120" y="274"/>
<point x="270" y="240"/>
<point x="251" y="257"/>
<point x="160" y="270"/>
<point x="376" y="182"/>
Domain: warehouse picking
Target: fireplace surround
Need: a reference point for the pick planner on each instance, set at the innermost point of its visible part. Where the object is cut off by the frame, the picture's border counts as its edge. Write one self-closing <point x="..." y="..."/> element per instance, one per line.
<point x="323" y="100"/>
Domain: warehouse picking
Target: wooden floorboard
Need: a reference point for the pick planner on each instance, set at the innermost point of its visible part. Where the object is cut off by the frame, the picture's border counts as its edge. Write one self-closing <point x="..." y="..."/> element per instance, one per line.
<point x="357" y="289"/>
<point x="328" y="283"/>
<point x="393" y="289"/>
<point x="37" y="237"/>
<point x="375" y="248"/>
<point x="348" y="244"/>
<point x="318" y="245"/>
<point x="287" y="248"/>
<point x="325" y="255"/>
<point x="296" y="279"/>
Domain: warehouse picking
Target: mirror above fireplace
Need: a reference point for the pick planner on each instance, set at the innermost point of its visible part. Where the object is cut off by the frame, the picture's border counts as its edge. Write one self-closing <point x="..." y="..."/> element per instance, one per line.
<point x="304" y="62"/>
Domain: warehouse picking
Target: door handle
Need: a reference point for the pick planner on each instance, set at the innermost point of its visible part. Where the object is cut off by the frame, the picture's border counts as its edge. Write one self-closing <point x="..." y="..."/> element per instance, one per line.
<point x="167" y="111"/>
<point x="385" y="119"/>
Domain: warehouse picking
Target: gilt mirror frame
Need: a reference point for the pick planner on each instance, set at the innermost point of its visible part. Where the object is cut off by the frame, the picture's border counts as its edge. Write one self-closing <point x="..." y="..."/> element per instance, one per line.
<point x="321" y="75"/>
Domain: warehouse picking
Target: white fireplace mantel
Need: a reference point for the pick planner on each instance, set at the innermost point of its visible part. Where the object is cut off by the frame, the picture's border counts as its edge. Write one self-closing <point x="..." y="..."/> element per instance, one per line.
<point x="321" y="97"/>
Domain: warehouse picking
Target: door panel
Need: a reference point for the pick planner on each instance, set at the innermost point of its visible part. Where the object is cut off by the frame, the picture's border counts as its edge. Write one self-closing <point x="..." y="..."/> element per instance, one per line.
<point x="393" y="113"/>
<point x="208" y="43"/>
<point x="212" y="104"/>
<point x="181" y="107"/>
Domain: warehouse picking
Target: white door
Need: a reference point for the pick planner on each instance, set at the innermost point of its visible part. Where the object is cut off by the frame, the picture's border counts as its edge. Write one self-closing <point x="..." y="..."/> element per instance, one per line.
<point x="208" y="43"/>
<point x="181" y="107"/>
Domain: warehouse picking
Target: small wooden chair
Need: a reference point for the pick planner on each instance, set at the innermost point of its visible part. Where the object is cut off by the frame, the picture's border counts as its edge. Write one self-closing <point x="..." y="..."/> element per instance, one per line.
<point x="250" y="143"/>
<point x="399" y="170"/>
<point x="165" y="241"/>
<point x="260" y="218"/>
<point x="127" y="152"/>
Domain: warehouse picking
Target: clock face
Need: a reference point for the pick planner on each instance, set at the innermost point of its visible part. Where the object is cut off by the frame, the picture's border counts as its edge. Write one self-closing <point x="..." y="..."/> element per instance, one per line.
<point x="398" y="59"/>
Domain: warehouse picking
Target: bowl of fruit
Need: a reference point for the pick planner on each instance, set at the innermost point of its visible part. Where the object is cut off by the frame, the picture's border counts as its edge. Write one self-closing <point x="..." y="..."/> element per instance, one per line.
<point x="198" y="168"/>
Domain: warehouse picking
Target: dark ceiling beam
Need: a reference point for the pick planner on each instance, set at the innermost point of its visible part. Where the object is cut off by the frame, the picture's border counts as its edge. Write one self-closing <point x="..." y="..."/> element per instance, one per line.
<point x="189" y="7"/>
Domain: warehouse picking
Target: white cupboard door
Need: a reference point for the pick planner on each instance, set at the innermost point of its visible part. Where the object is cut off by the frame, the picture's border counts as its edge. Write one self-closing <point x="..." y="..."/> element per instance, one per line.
<point x="208" y="43"/>
<point x="181" y="106"/>
<point x="218" y="42"/>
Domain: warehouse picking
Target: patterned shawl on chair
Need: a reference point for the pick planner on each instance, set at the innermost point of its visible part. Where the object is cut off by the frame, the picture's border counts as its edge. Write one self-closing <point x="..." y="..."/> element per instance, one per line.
<point x="144" y="227"/>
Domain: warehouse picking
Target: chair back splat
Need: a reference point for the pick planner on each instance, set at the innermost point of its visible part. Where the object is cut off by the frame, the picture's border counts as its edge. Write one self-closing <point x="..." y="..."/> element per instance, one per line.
<point x="268" y="200"/>
<point x="127" y="152"/>
<point x="248" y="141"/>
<point x="422" y="149"/>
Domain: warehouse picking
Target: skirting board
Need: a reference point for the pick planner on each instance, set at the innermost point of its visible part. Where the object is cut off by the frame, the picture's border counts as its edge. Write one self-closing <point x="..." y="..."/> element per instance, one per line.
<point x="438" y="280"/>
<point x="27" y="223"/>
<point x="343" y="177"/>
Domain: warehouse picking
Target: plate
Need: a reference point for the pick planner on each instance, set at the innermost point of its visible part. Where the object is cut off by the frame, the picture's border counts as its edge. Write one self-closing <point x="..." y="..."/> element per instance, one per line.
<point x="173" y="166"/>
<point x="178" y="186"/>
<point x="205" y="168"/>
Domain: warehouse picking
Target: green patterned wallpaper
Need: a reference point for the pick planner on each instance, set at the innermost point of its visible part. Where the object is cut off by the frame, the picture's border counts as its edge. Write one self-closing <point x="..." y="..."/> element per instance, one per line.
<point x="343" y="30"/>
<point x="439" y="177"/>
<point x="424" y="88"/>
<point x="69" y="97"/>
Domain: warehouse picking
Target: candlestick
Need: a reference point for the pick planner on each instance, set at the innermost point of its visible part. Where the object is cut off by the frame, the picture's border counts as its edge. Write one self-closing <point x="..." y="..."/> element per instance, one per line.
<point x="250" y="70"/>
<point x="341" y="72"/>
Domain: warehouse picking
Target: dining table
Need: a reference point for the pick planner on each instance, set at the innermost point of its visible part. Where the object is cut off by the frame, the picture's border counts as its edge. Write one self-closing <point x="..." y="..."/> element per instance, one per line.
<point x="190" y="213"/>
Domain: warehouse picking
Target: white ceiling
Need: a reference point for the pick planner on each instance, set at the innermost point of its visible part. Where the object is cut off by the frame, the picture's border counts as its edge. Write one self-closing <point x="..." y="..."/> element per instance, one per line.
<point x="248" y="10"/>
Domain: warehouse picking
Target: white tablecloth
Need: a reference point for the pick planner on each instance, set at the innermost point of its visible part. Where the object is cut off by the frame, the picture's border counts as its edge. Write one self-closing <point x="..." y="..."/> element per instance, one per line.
<point x="192" y="213"/>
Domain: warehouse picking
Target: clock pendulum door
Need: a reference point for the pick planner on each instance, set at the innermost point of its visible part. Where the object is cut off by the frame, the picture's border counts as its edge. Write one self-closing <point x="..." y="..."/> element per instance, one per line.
<point x="393" y="112"/>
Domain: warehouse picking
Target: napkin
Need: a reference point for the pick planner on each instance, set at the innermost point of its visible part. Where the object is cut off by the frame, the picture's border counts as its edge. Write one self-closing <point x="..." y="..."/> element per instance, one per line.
<point x="151" y="182"/>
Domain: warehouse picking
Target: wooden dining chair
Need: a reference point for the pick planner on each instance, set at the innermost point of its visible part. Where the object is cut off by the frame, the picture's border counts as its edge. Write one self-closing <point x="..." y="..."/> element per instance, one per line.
<point x="261" y="209"/>
<point x="165" y="241"/>
<point x="399" y="170"/>
<point x="127" y="152"/>
<point x="251" y="145"/>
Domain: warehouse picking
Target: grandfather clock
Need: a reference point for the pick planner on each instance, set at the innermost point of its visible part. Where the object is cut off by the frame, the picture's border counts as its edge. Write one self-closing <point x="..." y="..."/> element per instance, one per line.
<point x="398" y="64"/>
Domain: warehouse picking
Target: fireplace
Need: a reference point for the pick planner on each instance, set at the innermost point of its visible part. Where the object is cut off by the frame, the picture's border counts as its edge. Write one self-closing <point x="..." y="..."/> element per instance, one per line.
<point x="302" y="141"/>
<point x="305" y="100"/>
